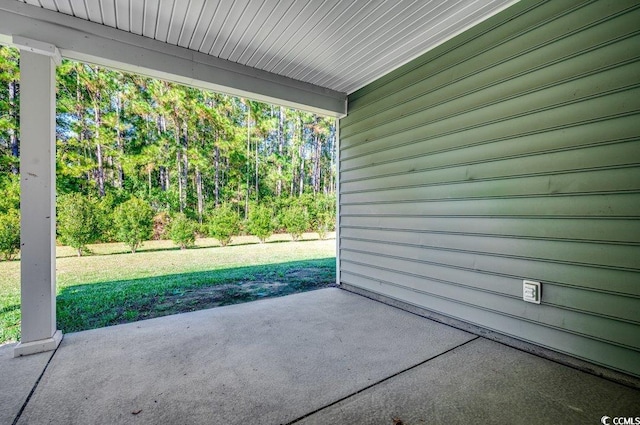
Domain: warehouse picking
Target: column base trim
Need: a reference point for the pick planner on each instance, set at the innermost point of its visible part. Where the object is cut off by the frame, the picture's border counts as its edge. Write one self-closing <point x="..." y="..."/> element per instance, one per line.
<point x="40" y="346"/>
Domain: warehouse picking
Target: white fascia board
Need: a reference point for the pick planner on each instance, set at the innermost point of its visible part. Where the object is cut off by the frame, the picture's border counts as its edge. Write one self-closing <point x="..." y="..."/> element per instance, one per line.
<point x="101" y="45"/>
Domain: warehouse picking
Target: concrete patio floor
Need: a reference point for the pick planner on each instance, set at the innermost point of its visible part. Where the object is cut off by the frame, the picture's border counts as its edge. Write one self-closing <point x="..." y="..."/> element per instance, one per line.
<point x="321" y="357"/>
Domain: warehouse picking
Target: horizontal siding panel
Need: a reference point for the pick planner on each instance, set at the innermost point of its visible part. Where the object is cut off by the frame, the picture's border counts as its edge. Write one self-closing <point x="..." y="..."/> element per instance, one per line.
<point x="589" y="230"/>
<point x="556" y="61"/>
<point x="598" y="327"/>
<point x="621" y="282"/>
<point x="372" y="264"/>
<point x="624" y="205"/>
<point x="615" y="180"/>
<point x="451" y="134"/>
<point x="608" y="305"/>
<point x="612" y="305"/>
<point x="605" y="255"/>
<point x="474" y="113"/>
<point x="600" y="352"/>
<point x="576" y="71"/>
<point x="609" y="156"/>
<point x="507" y="157"/>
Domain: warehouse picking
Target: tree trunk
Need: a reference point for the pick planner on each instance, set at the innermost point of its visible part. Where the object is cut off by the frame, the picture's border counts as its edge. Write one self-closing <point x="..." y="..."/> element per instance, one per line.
<point x="257" y="178"/>
<point x="182" y="161"/>
<point x="79" y="112"/>
<point x="216" y="163"/>
<point x="99" y="170"/>
<point x="246" y="201"/>
<point x="119" y="177"/>
<point x="180" y="189"/>
<point x="301" y="175"/>
<point x="199" y="192"/>
<point x="163" y="184"/>
<point x="97" y="118"/>
<point x="293" y="180"/>
<point x="185" y="166"/>
<point x="13" y="136"/>
<point x="317" y="152"/>
<point x="280" y="148"/>
<point x="99" y="154"/>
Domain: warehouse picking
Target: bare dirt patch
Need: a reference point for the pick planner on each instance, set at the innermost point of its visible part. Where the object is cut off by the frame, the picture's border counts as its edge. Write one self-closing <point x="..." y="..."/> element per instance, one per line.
<point x="290" y="282"/>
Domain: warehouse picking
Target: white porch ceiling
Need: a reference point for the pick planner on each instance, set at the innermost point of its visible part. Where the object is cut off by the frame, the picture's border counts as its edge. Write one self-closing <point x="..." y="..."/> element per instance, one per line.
<point x="322" y="49"/>
<point x="337" y="44"/>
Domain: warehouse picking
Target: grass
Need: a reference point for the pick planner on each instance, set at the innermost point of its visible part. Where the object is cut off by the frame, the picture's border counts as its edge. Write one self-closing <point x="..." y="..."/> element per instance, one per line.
<point x="113" y="286"/>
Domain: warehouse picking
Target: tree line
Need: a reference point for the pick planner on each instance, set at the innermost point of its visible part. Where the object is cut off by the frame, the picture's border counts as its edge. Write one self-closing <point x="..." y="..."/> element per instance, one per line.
<point x="185" y="153"/>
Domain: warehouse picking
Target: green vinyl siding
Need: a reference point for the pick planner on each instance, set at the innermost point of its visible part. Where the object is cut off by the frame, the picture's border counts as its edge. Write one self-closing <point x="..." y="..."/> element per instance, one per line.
<point x="510" y="152"/>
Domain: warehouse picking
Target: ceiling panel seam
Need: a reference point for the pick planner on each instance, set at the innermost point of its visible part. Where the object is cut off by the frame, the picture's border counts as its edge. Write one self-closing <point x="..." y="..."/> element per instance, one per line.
<point x="244" y="32"/>
<point x="410" y="36"/>
<point x="284" y="30"/>
<point x="361" y="49"/>
<point x="339" y="55"/>
<point x="225" y="43"/>
<point x="302" y="40"/>
<point x="300" y="37"/>
<point x="264" y="38"/>
<point x="206" y="33"/>
<point x="308" y="52"/>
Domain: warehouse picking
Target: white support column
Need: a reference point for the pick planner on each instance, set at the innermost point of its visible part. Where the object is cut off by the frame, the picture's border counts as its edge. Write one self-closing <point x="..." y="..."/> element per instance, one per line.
<point x="337" y="148"/>
<point x="37" y="197"/>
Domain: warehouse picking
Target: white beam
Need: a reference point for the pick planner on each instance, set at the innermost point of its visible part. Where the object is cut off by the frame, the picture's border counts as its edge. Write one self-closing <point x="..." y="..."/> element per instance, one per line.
<point x="94" y="43"/>
<point x="37" y="203"/>
<point x="35" y="46"/>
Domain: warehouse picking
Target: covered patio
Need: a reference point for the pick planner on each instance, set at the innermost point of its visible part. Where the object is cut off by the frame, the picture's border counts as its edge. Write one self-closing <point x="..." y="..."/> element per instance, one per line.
<point x="489" y="180"/>
<point x="320" y="357"/>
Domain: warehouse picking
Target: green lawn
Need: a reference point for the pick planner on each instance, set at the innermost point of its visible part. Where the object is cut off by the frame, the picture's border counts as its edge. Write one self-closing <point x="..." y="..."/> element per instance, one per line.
<point x="113" y="286"/>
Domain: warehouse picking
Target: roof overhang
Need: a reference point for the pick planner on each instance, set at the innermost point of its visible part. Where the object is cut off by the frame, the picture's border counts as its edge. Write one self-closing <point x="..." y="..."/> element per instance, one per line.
<point x="304" y="54"/>
<point x="86" y="41"/>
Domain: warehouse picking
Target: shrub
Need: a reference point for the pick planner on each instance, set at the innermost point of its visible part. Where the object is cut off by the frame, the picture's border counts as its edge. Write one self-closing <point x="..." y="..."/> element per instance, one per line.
<point x="161" y="222"/>
<point x="224" y="223"/>
<point x="9" y="234"/>
<point x="182" y="231"/>
<point x="78" y="221"/>
<point x="105" y="208"/>
<point x="260" y="222"/>
<point x="322" y="224"/>
<point x="296" y="221"/>
<point x="133" y="220"/>
<point x="9" y="193"/>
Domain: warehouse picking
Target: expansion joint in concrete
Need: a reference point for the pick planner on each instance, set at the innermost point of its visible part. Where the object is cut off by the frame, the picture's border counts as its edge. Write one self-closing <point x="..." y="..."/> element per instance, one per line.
<point x="382" y="380"/>
<point x="35" y="385"/>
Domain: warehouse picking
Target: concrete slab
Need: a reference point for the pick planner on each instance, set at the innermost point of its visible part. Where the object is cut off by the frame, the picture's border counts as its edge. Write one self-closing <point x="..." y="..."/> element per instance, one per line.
<point x="264" y="362"/>
<point x="489" y="383"/>
<point x="18" y="376"/>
